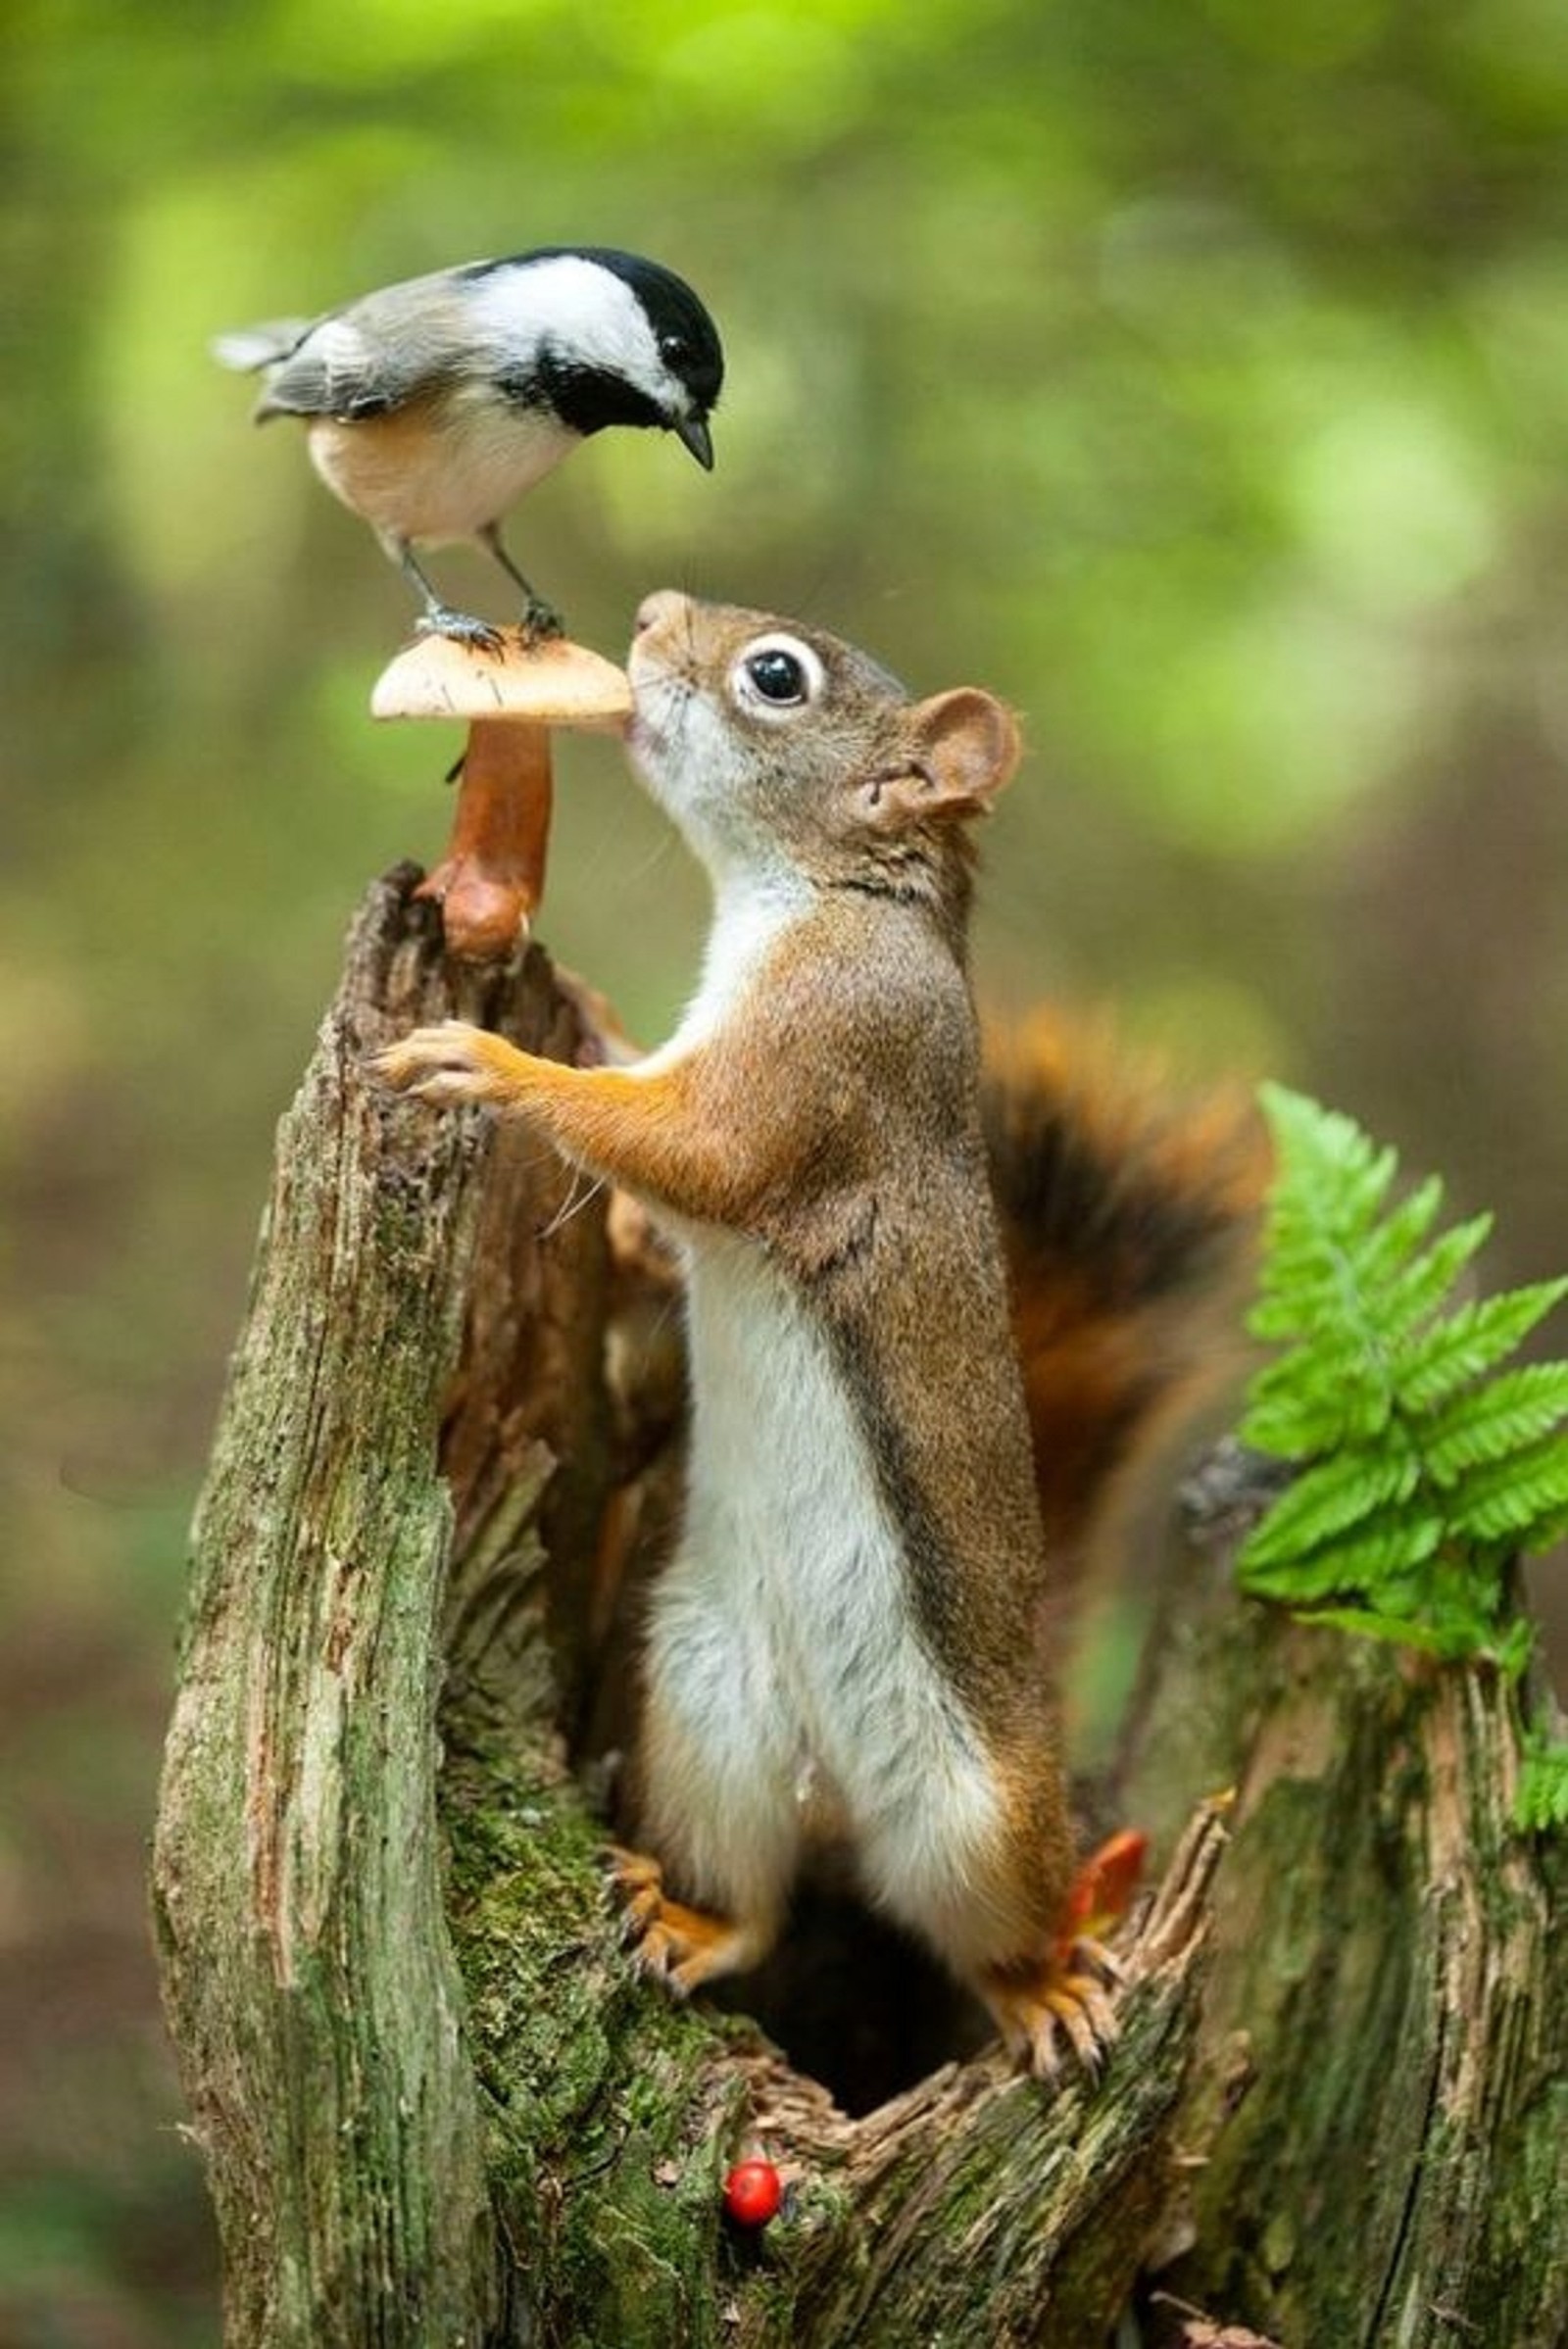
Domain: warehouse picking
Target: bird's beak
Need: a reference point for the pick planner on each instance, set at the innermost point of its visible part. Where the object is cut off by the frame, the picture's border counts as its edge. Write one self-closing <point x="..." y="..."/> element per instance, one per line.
<point x="692" y="433"/>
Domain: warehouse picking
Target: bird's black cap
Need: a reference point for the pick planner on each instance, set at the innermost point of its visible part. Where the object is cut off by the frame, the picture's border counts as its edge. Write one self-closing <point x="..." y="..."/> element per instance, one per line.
<point x="688" y="339"/>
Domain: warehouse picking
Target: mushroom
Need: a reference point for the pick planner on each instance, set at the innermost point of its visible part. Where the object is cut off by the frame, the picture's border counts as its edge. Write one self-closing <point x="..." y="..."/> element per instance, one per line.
<point x="492" y="876"/>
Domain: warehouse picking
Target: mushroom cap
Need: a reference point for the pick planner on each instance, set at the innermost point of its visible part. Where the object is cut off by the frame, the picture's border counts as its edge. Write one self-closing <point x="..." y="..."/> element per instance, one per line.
<point x="532" y="681"/>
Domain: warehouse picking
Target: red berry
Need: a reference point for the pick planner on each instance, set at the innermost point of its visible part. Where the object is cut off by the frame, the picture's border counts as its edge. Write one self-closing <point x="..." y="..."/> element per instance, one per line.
<point x="752" y="2193"/>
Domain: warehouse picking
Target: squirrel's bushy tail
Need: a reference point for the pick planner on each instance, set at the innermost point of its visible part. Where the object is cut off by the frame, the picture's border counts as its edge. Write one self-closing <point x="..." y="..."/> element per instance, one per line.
<point x="1129" y="1220"/>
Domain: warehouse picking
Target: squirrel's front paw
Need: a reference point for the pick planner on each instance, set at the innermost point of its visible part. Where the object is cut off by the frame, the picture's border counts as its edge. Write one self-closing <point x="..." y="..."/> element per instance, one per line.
<point x="448" y="1065"/>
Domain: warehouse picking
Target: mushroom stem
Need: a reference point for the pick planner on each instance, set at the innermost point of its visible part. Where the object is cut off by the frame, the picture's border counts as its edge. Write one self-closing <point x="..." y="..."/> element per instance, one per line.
<point x="492" y="876"/>
<point x="493" y="873"/>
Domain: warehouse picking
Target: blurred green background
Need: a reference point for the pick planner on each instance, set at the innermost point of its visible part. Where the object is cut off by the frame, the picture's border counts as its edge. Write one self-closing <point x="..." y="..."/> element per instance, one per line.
<point x="1191" y="371"/>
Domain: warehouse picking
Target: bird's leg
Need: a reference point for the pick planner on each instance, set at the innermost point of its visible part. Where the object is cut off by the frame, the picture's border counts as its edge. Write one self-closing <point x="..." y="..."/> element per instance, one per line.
<point x="438" y="618"/>
<point x="539" y="619"/>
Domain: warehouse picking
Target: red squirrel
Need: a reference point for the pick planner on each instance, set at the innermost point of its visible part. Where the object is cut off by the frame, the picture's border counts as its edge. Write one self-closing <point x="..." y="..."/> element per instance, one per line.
<point x="852" y="1640"/>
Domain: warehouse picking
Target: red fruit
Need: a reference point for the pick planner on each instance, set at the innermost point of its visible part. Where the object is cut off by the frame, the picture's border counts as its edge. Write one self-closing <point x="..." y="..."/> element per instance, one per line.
<point x="753" y="2193"/>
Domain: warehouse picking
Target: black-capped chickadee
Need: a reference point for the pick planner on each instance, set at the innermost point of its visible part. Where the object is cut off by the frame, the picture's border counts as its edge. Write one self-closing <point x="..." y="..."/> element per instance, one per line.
<point x="430" y="407"/>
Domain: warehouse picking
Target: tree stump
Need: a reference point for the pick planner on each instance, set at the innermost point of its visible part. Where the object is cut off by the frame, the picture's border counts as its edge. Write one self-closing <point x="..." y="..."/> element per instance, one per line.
<point x="438" y="2106"/>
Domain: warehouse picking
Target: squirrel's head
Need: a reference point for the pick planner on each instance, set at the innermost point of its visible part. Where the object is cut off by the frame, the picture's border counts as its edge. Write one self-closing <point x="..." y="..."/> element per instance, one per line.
<point x="778" y="749"/>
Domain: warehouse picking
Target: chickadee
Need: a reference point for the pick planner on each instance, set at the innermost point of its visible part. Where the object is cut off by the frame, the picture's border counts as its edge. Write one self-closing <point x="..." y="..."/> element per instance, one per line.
<point x="432" y="405"/>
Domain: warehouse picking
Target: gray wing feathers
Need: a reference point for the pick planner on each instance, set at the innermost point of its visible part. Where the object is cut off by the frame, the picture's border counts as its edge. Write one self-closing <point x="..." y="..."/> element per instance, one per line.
<point x="360" y="361"/>
<point x="320" y="367"/>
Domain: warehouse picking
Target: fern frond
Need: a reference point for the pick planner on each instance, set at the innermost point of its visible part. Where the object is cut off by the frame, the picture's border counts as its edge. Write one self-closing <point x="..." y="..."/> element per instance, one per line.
<point x="1424" y="1469"/>
<point x="1391" y="1243"/>
<point x="1294" y="1427"/>
<point x="1542" y="1800"/>
<point x="1398" y="1631"/>
<point x="1324" y="1395"/>
<point x="1341" y="1491"/>
<point x="1365" y="1559"/>
<point x="1508" y="1413"/>
<point x="1474" y="1339"/>
<point x="1404" y="1304"/>
<point x="1514" y="1500"/>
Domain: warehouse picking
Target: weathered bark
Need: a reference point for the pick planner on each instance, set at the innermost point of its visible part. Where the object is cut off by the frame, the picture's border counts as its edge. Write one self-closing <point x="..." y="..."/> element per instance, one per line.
<point x="437" y="2105"/>
<point x="1385" y="2015"/>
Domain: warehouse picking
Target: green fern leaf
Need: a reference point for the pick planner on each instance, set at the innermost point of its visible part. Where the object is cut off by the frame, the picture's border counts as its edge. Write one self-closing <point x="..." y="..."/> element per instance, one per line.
<point x="1453" y="1353"/>
<point x="1341" y="1491"/>
<point x="1423" y="1471"/>
<point x="1398" y="1631"/>
<point x="1414" y="1294"/>
<point x="1340" y="1177"/>
<point x="1513" y="1498"/>
<point x="1363" y="1559"/>
<point x="1316" y="1399"/>
<point x="1540" y="1802"/>
<point x="1505" y="1416"/>
<point x="1295" y="1427"/>
<point x="1391" y="1243"/>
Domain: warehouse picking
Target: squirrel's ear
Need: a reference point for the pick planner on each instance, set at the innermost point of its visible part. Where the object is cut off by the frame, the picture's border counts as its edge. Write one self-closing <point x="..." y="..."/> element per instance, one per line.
<point x="964" y="746"/>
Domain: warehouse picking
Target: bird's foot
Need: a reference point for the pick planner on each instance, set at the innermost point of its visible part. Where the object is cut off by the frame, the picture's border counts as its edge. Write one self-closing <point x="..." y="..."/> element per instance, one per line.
<point x="462" y="627"/>
<point x="541" y="622"/>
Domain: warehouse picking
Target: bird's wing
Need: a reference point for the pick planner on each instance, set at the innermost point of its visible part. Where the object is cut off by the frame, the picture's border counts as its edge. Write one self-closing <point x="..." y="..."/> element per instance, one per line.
<point x="364" y="361"/>
<point x="338" y="370"/>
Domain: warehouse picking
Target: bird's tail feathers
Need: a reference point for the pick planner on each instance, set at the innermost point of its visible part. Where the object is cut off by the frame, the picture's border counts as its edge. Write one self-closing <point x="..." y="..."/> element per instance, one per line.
<point x="248" y="348"/>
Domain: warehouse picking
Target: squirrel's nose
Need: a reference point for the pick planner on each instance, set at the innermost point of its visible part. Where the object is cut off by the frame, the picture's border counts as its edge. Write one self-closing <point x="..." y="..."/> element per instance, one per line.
<point x="664" y="603"/>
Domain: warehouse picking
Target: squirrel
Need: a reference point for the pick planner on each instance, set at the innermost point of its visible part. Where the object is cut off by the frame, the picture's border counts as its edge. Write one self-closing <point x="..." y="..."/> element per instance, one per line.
<point x="903" y="1274"/>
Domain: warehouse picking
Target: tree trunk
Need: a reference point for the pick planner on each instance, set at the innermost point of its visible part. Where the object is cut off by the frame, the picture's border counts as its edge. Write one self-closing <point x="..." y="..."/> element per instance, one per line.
<point x="437" y="2105"/>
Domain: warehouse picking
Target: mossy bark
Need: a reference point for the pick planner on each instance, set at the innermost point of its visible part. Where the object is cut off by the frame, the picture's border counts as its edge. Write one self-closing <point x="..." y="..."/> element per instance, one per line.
<point x="436" y="2103"/>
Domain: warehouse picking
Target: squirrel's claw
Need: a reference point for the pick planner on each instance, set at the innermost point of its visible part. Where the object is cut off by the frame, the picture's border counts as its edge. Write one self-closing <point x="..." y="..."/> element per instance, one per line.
<point x="677" y="1945"/>
<point x="437" y="1062"/>
<point x="1051" y="2015"/>
<point x="1059" y="2004"/>
<point x="450" y="1064"/>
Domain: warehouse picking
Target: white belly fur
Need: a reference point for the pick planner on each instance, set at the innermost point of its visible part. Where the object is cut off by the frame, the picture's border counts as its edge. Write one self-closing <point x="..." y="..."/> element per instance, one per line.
<point x="416" y="484"/>
<point x="781" y="1647"/>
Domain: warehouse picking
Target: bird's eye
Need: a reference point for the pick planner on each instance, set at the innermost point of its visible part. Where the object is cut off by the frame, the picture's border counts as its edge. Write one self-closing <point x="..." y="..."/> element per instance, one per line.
<point x="673" y="347"/>
<point x="778" y="675"/>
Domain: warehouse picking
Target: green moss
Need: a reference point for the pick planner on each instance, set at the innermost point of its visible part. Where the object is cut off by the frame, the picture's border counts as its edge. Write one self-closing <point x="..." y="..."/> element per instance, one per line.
<point x="593" y="2079"/>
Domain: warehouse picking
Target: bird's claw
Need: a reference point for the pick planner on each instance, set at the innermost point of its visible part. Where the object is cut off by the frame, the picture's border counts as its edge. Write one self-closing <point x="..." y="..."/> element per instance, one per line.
<point x="541" y="622"/>
<point x="462" y="629"/>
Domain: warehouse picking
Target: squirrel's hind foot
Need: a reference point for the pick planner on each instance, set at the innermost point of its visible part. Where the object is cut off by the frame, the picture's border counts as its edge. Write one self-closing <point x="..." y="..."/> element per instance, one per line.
<point x="1058" y="2010"/>
<point x="1059" y="2004"/>
<point x="680" y="1946"/>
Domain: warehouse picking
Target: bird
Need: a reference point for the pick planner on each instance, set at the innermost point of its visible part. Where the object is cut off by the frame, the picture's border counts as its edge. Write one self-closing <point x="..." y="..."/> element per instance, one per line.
<point x="432" y="405"/>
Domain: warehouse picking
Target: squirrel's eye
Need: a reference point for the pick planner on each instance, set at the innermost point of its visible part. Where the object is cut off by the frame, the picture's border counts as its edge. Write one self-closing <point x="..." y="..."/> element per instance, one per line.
<point x="778" y="676"/>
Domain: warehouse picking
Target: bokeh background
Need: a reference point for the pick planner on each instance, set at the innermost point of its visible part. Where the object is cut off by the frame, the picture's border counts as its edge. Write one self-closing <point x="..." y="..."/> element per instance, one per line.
<point x="1193" y="371"/>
